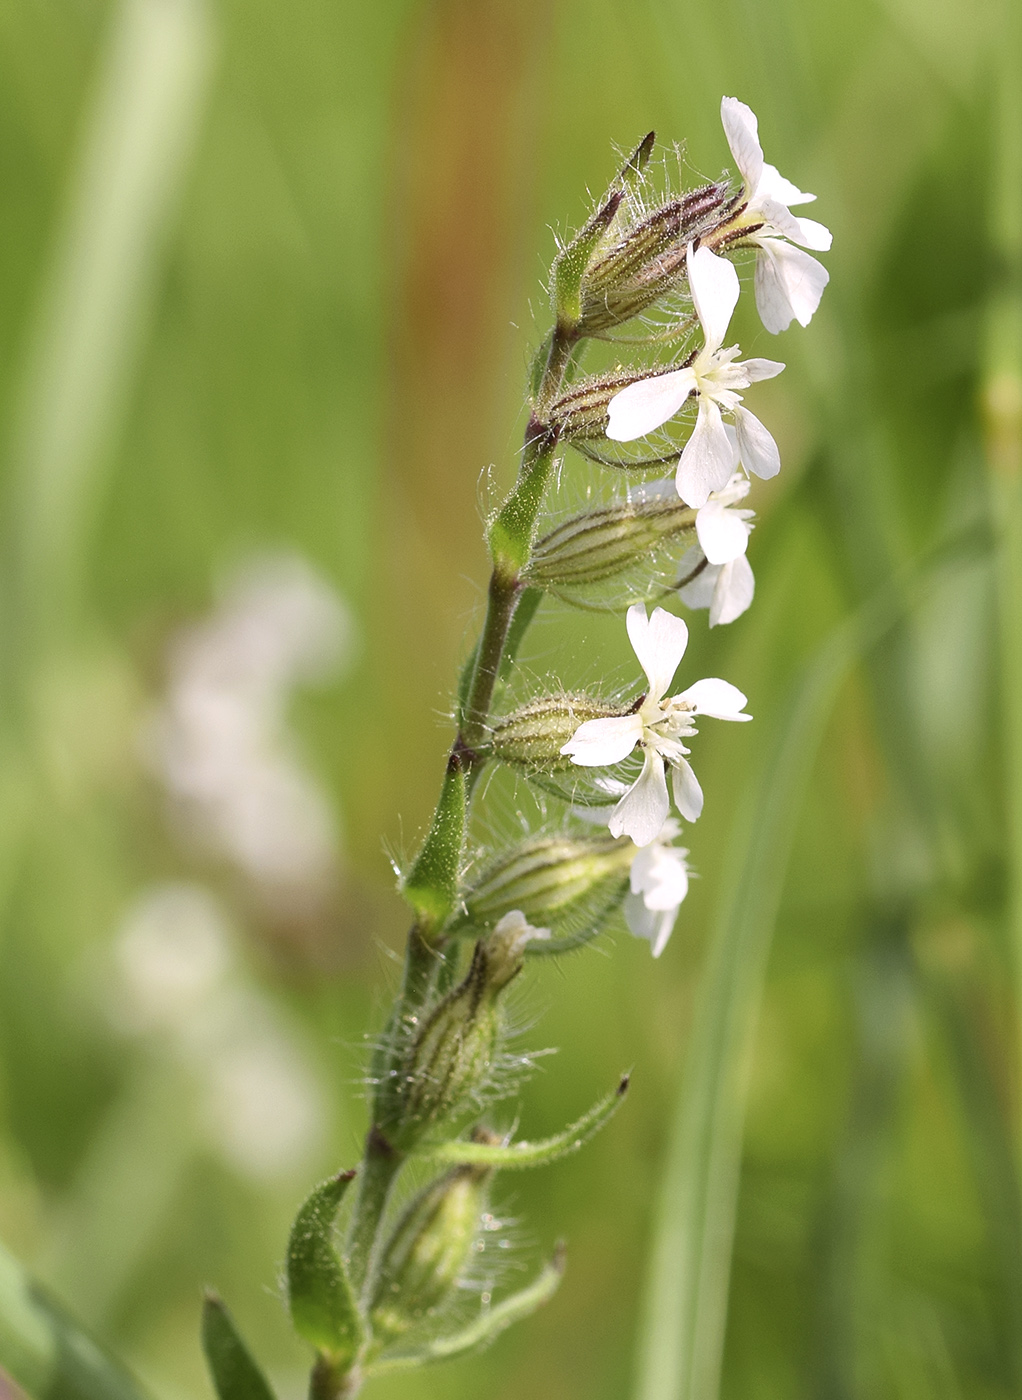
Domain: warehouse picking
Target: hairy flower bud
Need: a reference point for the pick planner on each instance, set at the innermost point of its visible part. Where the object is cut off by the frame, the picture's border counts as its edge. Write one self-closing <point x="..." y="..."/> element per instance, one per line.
<point x="648" y="262"/>
<point x="450" y="1058"/>
<point x="533" y="736"/>
<point x="562" y="882"/>
<point x="427" y="1252"/>
<point x="599" y="544"/>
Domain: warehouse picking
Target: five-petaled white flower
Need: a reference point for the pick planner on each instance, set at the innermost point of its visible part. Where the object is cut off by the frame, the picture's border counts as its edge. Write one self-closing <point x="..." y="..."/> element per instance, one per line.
<point x="658" y="724"/>
<point x="715" y="377"/>
<point x="789" y="283"/>
<point x="724" y="582"/>
<point x="658" y="885"/>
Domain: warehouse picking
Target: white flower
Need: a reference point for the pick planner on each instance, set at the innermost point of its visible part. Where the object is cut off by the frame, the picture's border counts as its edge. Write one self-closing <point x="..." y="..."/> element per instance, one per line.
<point x="789" y="283"/>
<point x="658" y="725"/>
<point x="724" y="581"/>
<point x="715" y="377"/>
<point x="659" y="884"/>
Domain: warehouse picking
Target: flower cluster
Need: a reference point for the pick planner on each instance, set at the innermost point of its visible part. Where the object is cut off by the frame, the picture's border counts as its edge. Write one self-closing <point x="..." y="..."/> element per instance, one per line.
<point x="608" y="769"/>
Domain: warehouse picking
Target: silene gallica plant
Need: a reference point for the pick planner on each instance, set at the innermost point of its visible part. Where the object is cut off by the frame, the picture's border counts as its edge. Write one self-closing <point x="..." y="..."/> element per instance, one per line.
<point x="401" y="1285"/>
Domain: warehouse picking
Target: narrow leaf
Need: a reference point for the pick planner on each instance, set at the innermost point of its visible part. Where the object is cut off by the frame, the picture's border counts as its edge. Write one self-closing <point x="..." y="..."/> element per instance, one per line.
<point x="323" y="1306"/>
<point x="514" y="1155"/>
<point x="432" y="884"/>
<point x="487" y="1326"/>
<point x="235" y="1373"/>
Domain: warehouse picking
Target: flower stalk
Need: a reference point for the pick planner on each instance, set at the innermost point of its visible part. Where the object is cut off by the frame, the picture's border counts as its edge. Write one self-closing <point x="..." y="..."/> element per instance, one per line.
<point x="389" y="1290"/>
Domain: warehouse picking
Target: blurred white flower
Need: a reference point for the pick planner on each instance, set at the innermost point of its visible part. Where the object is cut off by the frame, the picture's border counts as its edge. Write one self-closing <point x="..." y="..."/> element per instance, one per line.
<point x="714" y="377"/>
<point x="176" y="977"/>
<point x="221" y="744"/>
<point x="658" y="725"/>
<point x="789" y="283"/>
<point x="658" y="885"/>
<point x="723" y="580"/>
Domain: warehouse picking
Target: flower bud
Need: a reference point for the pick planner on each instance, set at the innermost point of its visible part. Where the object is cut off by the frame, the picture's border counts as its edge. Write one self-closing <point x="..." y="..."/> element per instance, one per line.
<point x="427" y="1252"/>
<point x="450" y="1059"/>
<point x="533" y="736"/>
<point x="602" y="543"/>
<point x="550" y="880"/>
<point x="649" y="261"/>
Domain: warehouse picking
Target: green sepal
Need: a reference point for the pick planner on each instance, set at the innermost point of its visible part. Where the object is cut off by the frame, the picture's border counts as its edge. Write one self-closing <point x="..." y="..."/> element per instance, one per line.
<point x="323" y="1306"/>
<point x="573" y="261"/>
<point x="236" y="1373"/>
<point x="487" y="1326"/>
<point x="533" y="1154"/>
<point x="637" y="161"/>
<point x="431" y="886"/>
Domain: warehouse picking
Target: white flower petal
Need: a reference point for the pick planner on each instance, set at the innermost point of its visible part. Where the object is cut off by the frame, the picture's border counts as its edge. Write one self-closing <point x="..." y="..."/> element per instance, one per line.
<point x="722" y="533"/>
<point x="789" y="284"/>
<point x="779" y="220"/>
<point x="642" y="811"/>
<point x="756" y="446"/>
<point x="659" y="642"/>
<point x="702" y="590"/>
<point x="733" y="591"/>
<point x="688" y="795"/>
<point x="757" y="370"/>
<point x="713" y="282"/>
<point x="708" y="459"/>
<point x="716" y="698"/>
<point x="601" y="741"/>
<point x="647" y="404"/>
<point x="659" y="872"/>
<point x="655" y="927"/>
<point x="662" y="933"/>
<point x="773" y="186"/>
<point x="742" y="131"/>
<point x="814" y="235"/>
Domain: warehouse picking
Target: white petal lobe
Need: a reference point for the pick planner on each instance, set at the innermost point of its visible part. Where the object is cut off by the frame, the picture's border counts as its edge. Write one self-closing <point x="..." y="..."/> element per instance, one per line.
<point x="742" y="131"/>
<point x="646" y="405"/>
<point x="708" y="459"/>
<point x="733" y="591"/>
<point x="688" y="795"/>
<point x="716" y="698"/>
<point x="603" y="741"/>
<point x="643" y="810"/>
<point x="659" y="642"/>
<point x="756" y="445"/>
<point x="713" y="282"/>
<point x="722" y="533"/>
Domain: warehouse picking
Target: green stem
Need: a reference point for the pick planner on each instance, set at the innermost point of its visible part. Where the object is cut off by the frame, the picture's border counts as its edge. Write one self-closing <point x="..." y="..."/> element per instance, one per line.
<point x="511" y="536"/>
<point x="380" y="1166"/>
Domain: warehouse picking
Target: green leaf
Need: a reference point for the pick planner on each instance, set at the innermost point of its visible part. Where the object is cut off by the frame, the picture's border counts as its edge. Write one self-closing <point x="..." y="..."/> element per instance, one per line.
<point x="432" y="884"/>
<point x="236" y="1375"/>
<point x="534" y="1154"/>
<point x="487" y="1326"/>
<point x="323" y="1306"/>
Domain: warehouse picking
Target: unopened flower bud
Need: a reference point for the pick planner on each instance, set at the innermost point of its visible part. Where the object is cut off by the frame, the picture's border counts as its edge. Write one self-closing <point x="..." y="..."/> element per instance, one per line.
<point x="427" y="1253"/>
<point x="450" y="1059"/>
<point x="601" y="543"/>
<point x="532" y="737"/>
<point x="551" y="880"/>
<point x="648" y="262"/>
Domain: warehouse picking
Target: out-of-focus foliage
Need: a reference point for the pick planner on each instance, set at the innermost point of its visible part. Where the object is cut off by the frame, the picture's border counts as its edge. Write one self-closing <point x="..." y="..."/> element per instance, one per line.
<point x="322" y="355"/>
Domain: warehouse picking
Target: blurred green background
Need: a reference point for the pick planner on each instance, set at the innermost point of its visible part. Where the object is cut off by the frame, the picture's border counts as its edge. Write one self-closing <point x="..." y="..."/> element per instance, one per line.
<point x="270" y="278"/>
